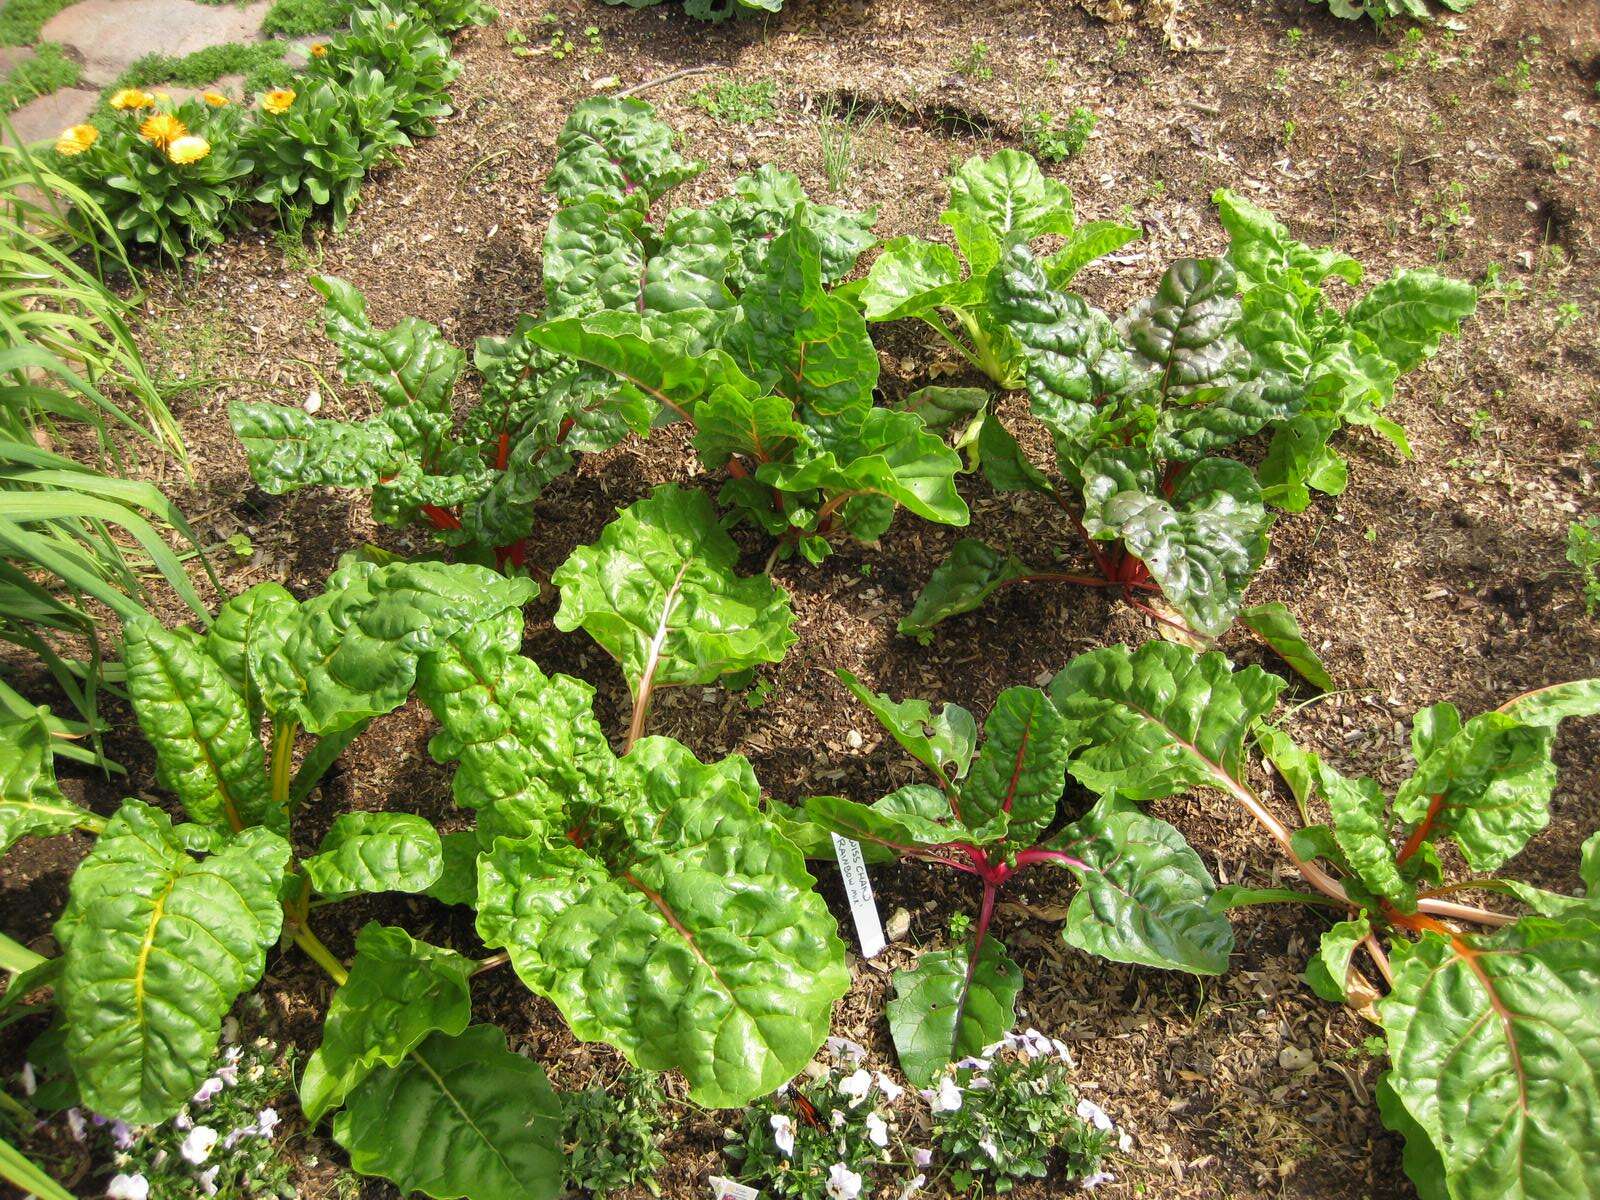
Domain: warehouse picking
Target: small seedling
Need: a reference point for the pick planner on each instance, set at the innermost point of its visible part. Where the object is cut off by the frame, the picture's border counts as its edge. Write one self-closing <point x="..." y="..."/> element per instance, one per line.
<point x="974" y="62"/>
<point x="1057" y="138"/>
<point x="736" y="102"/>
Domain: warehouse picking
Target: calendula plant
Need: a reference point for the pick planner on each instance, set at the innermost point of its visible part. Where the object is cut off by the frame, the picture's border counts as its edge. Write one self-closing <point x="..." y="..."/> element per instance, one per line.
<point x="407" y="49"/>
<point x="1226" y="349"/>
<point x="313" y="146"/>
<point x="993" y="813"/>
<point x="651" y="876"/>
<point x="166" y="175"/>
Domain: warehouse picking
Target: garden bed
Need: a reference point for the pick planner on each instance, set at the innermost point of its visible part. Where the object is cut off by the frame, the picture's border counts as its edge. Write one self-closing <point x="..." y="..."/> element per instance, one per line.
<point x="1438" y="578"/>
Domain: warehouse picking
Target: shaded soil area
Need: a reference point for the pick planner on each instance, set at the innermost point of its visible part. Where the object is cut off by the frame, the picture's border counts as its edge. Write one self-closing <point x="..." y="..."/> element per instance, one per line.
<point x="1443" y="577"/>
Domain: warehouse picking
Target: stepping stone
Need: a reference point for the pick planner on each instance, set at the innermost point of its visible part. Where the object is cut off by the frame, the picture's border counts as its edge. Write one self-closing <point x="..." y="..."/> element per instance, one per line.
<point x="112" y="34"/>
<point x="44" y="118"/>
<point x="230" y="85"/>
<point x="12" y="57"/>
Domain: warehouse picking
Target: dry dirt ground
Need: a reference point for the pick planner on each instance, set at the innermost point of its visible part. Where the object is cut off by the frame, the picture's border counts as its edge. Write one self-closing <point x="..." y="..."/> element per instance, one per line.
<point x="1438" y="578"/>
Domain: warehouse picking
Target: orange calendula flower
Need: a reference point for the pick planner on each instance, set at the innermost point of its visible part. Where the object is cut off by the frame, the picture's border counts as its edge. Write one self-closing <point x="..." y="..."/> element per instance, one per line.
<point x="162" y="130"/>
<point x="318" y="49"/>
<point x="128" y="98"/>
<point x="188" y="149"/>
<point x="215" y="99"/>
<point x="277" y="100"/>
<point x="76" y="140"/>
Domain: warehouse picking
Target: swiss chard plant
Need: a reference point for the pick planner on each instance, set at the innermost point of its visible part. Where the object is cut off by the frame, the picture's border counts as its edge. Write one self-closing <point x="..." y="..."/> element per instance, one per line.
<point x="645" y="895"/>
<point x="1379" y="11"/>
<point x="1136" y="408"/>
<point x="1491" y="1019"/>
<point x="713" y="10"/>
<point x="998" y="810"/>
<point x="995" y="203"/>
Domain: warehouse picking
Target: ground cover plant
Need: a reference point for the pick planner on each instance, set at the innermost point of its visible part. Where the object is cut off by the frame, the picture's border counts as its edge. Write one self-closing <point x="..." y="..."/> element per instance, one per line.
<point x="1226" y="348"/>
<point x="712" y="10"/>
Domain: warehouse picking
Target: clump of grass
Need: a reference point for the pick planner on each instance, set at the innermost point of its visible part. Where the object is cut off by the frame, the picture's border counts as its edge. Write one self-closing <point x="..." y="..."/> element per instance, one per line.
<point x="298" y="18"/>
<point x="49" y="70"/>
<point x="1056" y="138"/>
<point x="737" y="102"/>
<point x="204" y="66"/>
<point x="838" y="131"/>
<point x="21" y="20"/>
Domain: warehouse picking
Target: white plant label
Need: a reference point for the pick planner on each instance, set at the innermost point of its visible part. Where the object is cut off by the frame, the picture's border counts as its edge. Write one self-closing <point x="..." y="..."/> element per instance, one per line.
<point x="858" y="888"/>
<point x="727" y="1189"/>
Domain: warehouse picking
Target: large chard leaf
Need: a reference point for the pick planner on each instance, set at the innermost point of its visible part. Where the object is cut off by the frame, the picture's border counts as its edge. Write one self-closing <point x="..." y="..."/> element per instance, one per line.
<point x="1202" y="542"/>
<point x="240" y="621"/>
<point x="1161" y="718"/>
<point x="595" y="258"/>
<point x="1361" y="830"/>
<point x="950" y="1005"/>
<point x="1144" y="895"/>
<point x="1274" y="624"/>
<point x="352" y="652"/>
<point x="612" y="150"/>
<point x="659" y="593"/>
<point x="31" y="804"/>
<point x="408" y="366"/>
<point x="158" y="945"/>
<point x="914" y="815"/>
<point x="913" y="278"/>
<point x="1495" y="1050"/>
<point x="684" y="931"/>
<point x="813" y="346"/>
<point x="375" y="852"/>
<point x="460" y="1116"/>
<point x="1017" y="779"/>
<point x="1011" y="196"/>
<point x="1487" y="783"/>
<point x="400" y="990"/>
<point x="208" y="753"/>
<point x="944" y="743"/>
<point x="1407" y="314"/>
<point x="761" y="206"/>
<point x="971" y="573"/>
<point x="1261" y="249"/>
<point x="287" y="448"/>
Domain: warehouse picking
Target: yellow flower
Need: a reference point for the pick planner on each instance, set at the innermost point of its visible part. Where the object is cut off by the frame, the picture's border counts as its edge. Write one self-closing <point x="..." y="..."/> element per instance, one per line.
<point x="76" y="140"/>
<point x="215" y="99"/>
<point x="131" y="98"/>
<point x="188" y="149"/>
<point x="278" y="100"/>
<point x="318" y="49"/>
<point x="162" y="130"/>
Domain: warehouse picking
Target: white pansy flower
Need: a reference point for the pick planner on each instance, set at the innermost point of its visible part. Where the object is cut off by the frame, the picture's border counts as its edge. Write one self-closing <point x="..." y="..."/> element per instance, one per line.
<point x="856" y="1086"/>
<point x="987" y="1145"/>
<point x="75" y="1124"/>
<point x="208" y="1180"/>
<point x="877" y="1130"/>
<point x="266" y="1121"/>
<point x="923" y="1159"/>
<point x="971" y="1063"/>
<point x="843" y="1048"/>
<point x="313" y="401"/>
<point x="209" y="1090"/>
<point x="128" y="1187"/>
<point x="197" y="1146"/>
<point x="782" y="1133"/>
<point x="843" y="1183"/>
<point x="947" y="1098"/>
<point x="1089" y="1182"/>
<point x="912" y="1188"/>
<point x="891" y="1090"/>
<point x="1091" y="1112"/>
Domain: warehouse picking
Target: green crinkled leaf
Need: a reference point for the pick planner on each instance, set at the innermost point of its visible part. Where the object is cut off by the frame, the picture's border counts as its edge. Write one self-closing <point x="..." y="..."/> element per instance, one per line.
<point x="813" y="347"/>
<point x="408" y="365"/>
<point x="1275" y="625"/>
<point x="1017" y="779"/>
<point x="1361" y="829"/>
<point x="613" y="150"/>
<point x="1144" y="895"/>
<point x="1589" y="866"/>
<point x="158" y="945"/>
<point x="207" y="750"/>
<point x="688" y="935"/>
<point x="1009" y="194"/>
<point x="1004" y="464"/>
<point x="352" y="652"/>
<point x="761" y="206"/>
<point x="758" y="428"/>
<point x="375" y="852"/>
<point x="912" y="278"/>
<point x="1495" y="1050"/>
<point x="461" y="1116"/>
<point x="31" y="805"/>
<point x="1262" y="251"/>
<point x="526" y="746"/>
<point x="1203" y="543"/>
<point x="1489" y="783"/>
<point x="971" y="573"/>
<point x="891" y="460"/>
<point x="1085" y="244"/>
<point x="1297" y="767"/>
<point x="594" y="259"/>
<point x="944" y="407"/>
<point x="1420" y="1157"/>
<point x="947" y="1007"/>
<point x="1161" y="718"/>
<point x="659" y="593"/>
<point x="1407" y="314"/>
<point x="400" y="990"/>
<point x="944" y="743"/>
<point x="914" y="815"/>
<point x="1328" y="972"/>
<point x="1183" y="331"/>
<point x="458" y="875"/>
<point x="286" y="448"/>
<point x="238" y="622"/>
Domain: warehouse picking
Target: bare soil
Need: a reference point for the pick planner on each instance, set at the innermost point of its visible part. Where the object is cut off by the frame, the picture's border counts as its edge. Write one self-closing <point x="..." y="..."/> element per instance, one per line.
<point x="1437" y="578"/>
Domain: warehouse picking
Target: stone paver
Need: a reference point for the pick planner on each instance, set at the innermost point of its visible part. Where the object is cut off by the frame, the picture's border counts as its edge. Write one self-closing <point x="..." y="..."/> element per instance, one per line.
<point x="111" y="34"/>
<point x="44" y="119"/>
<point x="11" y="57"/>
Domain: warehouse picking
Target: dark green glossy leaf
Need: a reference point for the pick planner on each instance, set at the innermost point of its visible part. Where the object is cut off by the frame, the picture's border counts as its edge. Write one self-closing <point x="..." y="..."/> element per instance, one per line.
<point x="375" y="852"/>
<point x="1276" y="626"/>
<point x="1017" y="780"/>
<point x="944" y="743"/>
<point x="613" y="150"/>
<point x="971" y="573"/>
<point x="948" y="1006"/>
